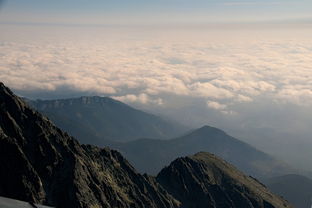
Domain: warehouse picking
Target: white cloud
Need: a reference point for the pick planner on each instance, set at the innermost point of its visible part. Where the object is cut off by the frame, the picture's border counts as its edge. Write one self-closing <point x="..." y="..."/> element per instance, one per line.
<point x="243" y="98"/>
<point x="141" y="98"/>
<point x="145" y="69"/>
<point x="216" y="105"/>
<point x="222" y="108"/>
<point x="208" y="90"/>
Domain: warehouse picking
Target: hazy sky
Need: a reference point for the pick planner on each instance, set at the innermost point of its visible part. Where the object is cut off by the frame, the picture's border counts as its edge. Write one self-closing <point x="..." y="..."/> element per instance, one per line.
<point x="147" y="11"/>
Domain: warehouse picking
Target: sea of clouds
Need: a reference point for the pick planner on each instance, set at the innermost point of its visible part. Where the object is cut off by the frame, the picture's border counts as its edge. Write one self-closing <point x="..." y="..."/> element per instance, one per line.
<point x="246" y="78"/>
<point x="143" y="67"/>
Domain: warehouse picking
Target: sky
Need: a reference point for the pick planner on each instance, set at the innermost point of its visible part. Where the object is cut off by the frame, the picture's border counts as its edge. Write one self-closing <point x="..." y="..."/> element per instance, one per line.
<point x="242" y="66"/>
<point x="152" y="11"/>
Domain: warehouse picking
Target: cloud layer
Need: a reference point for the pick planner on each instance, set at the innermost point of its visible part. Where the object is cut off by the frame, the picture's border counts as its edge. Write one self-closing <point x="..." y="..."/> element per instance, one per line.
<point x="142" y="67"/>
<point x="254" y="83"/>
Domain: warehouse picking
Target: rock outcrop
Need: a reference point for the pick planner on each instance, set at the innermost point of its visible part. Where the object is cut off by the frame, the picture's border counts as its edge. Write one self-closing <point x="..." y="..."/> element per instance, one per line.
<point x="40" y="163"/>
<point x="204" y="180"/>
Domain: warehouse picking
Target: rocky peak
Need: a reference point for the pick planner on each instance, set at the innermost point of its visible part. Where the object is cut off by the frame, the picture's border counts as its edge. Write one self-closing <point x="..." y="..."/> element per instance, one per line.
<point x="42" y="164"/>
<point x="204" y="180"/>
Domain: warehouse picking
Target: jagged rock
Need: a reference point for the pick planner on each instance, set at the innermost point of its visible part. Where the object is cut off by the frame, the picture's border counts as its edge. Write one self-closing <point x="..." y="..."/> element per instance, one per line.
<point x="204" y="180"/>
<point x="40" y="163"/>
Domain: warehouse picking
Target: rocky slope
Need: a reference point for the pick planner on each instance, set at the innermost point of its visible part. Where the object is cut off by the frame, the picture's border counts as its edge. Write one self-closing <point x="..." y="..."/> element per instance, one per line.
<point x="42" y="164"/>
<point x="204" y="180"/>
<point x="99" y="120"/>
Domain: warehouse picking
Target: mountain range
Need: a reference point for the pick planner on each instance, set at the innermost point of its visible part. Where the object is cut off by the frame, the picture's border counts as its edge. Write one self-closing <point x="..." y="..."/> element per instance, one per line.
<point x="42" y="164"/>
<point x="102" y="120"/>
<point x="151" y="155"/>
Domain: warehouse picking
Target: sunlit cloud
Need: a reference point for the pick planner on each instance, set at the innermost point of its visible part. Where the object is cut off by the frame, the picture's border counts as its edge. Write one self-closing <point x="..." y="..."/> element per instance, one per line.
<point x="147" y="70"/>
<point x="216" y="105"/>
<point x="141" y="98"/>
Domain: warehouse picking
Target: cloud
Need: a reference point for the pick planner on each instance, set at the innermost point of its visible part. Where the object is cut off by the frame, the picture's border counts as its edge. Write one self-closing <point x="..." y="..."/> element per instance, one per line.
<point x="141" y="98"/>
<point x="298" y="96"/>
<point x="222" y="108"/>
<point x="243" y="98"/>
<point x="138" y="67"/>
<point x="209" y="90"/>
<point x="216" y="105"/>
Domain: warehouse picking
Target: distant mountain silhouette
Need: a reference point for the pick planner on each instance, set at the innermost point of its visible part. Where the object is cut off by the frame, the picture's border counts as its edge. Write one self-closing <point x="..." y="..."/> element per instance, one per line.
<point x="150" y="155"/>
<point x="296" y="189"/>
<point x="99" y="120"/>
<point x="42" y="164"/>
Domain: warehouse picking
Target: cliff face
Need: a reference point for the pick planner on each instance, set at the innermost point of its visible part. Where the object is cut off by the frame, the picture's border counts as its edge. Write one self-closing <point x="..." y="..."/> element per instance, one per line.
<point x="204" y="180"/>
<point x="41" y="163"/>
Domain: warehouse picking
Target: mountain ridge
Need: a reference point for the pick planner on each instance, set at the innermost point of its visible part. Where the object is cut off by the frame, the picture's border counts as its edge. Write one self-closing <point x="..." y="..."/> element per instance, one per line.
<point x="214" y="183"/>
<point x="209" y="139"/>
<point x="100" y="119"/>
<point x="93" y="120"/>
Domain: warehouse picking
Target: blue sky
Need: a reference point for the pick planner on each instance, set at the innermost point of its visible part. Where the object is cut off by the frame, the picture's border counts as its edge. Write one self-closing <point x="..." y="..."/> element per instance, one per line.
<point x="145" y="11"/>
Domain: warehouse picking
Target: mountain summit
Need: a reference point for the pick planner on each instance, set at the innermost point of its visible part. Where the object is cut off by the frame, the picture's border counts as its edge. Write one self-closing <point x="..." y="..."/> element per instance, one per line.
<point x="151" y="155"/>
<point x="204" y="180"/>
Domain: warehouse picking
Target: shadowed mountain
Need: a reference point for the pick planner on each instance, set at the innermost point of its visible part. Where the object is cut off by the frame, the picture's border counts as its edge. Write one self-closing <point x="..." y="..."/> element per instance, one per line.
<point x="203" y="180"/>
<point x="296" y="189"/>
<point x="96" y="120"/>
<point x="150" y="155"/>
<point x="42" y="164"/>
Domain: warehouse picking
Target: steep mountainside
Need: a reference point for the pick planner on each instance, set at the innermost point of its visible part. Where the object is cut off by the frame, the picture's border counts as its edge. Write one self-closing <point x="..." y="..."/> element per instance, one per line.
<point x="42" y="164"/>
<point x="203" y="180"/>
<point x="296" y="189"/>
<point x="149" y="155"/>
<point x="94" y="120"/>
